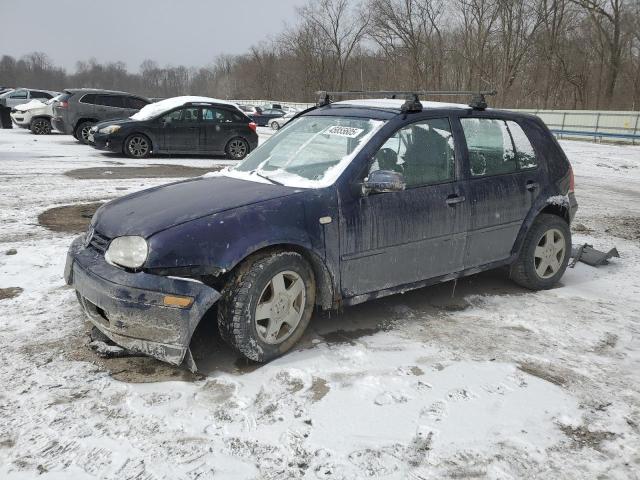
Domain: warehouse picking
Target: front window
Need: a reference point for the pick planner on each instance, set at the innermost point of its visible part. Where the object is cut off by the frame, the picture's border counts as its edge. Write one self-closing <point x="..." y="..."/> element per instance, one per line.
<point x="311" y="152"/>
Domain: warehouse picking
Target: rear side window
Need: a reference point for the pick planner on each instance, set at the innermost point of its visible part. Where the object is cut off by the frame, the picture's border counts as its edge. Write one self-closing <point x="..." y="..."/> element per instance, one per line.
<point x="525" y="155"/>
<point x="89" y="98"/>
<point x="135" y="103"/>
<point x="490" y="147"/>
<point x="110" y="101"/>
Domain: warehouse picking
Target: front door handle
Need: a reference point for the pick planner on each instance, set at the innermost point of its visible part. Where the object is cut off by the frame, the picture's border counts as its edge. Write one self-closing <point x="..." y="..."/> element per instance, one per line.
<point x="454" y="199"/>
<point x="531" y="185"/>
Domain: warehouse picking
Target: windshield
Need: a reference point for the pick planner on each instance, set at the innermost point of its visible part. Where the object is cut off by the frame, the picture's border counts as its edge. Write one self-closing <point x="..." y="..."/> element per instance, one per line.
<point x="311" y="152"/>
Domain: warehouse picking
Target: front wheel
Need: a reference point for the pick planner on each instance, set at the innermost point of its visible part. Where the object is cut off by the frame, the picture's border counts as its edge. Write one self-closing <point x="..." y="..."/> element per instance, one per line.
<point x="544" y="255"/>
<point x="41" y="126"/>
<point x="267" y="304"/>
<point x="137" y="146"/>
<point x="237" y="148"/>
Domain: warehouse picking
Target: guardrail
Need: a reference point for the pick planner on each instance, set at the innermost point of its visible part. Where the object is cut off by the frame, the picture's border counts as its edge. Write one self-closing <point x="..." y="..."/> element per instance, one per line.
<point x="598" y="125"/>
<point x="611" y="125"/>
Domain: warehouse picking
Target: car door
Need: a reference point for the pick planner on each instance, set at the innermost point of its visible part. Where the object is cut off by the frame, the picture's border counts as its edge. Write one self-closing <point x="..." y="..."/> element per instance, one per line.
<point x="504" y="182"/>
<point x="396" y="238"/>
<point x="110" y="107"/>
<point x="216" y="129"/>
<point x="181" y="130"/>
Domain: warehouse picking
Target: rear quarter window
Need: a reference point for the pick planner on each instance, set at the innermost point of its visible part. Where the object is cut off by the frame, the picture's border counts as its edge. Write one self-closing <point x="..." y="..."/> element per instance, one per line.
<point x="89" y="98"/>
<point x="525" y="154"/>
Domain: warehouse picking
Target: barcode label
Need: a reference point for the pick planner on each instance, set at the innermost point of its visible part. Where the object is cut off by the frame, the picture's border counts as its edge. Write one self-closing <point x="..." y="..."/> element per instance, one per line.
<point x="350" y="132"/>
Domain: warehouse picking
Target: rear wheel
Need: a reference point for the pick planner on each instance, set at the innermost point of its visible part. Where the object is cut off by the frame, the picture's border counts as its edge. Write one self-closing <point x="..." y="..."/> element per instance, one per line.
<point x="41" y="126"/>
<point x="267" y="304"/>
<point x="544" y="255"/>
<point x="82" y="131"/>
<point x="137" y="146"/>
<point x="237" y="148"/>
<point x="275" y="125"/>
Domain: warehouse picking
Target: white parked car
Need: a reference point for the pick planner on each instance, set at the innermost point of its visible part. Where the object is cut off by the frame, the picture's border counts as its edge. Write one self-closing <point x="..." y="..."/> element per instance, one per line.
<point x="19" y="96"/>
<point x="35" y="115"/>
<point x="277" y="123"/>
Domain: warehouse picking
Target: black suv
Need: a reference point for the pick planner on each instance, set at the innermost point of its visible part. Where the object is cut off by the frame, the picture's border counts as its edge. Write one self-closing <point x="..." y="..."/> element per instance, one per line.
<point x="350" y="201"/>
<point x="77" y="110"/>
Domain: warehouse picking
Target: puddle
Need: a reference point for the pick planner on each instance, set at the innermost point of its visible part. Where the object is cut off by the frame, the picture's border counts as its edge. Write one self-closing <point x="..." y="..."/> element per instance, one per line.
<point x="11" y="292"/>
<point x="348" y="336"/>
<point x="152" y="171"/>
<point x="69" y="218"/>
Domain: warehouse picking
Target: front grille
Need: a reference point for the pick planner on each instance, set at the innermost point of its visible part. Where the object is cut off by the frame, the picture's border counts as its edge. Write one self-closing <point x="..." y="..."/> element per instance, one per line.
<point x="99" y="242"/>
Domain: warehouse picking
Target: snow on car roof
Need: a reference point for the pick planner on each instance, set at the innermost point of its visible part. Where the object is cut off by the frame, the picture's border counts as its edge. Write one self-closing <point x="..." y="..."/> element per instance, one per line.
<point x="396" y="103"/>
<point x="155" y="109"/>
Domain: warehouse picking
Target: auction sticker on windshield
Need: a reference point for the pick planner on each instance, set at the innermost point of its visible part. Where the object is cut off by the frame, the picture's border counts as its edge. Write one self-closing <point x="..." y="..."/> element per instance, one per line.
<point x="350" y="132"/>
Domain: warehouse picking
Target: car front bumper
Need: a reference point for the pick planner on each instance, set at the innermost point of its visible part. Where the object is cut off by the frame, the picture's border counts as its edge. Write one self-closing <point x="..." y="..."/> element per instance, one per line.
<point x="129" y="307"/>
<point x="103" y="141"/>
<point x="20" y="120"/>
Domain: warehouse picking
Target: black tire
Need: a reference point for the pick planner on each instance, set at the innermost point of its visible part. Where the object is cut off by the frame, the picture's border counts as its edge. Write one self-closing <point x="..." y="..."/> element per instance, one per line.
<point x="237" y="148"/>
<point x="247" y="286"/>
<point x="525" y="271"/>
<point x="275" y="125"/>
<point x="82" y="131"/>
<point x="137" y="146"/>
<point x="40" y="126"/>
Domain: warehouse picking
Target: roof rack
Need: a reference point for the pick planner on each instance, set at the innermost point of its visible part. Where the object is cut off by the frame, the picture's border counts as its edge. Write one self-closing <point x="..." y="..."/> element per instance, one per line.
<point x="412" y="103"/>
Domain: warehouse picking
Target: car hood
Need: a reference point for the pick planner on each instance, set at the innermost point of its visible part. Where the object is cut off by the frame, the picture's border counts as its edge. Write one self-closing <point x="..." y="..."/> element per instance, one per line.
<point x="32" y="105"/>
<point x="123" y="122"/>
<point x="156" y="209"/>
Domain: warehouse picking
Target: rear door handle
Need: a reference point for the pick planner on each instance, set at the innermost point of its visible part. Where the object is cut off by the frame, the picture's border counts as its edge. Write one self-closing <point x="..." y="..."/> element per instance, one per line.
<point x="531" y="185"/>
<point x="454" y="199"/>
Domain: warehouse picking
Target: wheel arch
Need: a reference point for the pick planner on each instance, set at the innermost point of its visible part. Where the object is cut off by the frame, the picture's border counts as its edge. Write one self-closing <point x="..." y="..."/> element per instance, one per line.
<point x="544" y="206"/>
<point x="325" y="284"/>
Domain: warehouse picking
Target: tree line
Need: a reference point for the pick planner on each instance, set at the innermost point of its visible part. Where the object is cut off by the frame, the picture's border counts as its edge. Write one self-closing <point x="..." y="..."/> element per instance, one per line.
<point x="577" y="54"/>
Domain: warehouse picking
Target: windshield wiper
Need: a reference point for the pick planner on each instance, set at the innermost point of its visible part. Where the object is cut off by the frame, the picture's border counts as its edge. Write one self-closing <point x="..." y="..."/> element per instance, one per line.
<point x="267" y="178"/>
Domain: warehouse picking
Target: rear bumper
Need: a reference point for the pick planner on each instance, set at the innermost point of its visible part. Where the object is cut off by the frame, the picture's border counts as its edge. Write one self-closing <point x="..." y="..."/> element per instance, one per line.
<point x="59" y="124"/>
<point x="129" y="309"/>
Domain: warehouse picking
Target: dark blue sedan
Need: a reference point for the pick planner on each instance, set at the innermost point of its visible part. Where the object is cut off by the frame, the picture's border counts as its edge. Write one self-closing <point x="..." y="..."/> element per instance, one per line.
<point x="350" y="201"/>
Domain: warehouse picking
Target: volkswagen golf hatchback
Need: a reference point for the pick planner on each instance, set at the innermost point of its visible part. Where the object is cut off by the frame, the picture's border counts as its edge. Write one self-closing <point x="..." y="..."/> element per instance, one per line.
<point x="348" y="202"/>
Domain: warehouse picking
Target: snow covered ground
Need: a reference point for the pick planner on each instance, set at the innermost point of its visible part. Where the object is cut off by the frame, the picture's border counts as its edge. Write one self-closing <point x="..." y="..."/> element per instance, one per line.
<point x="489" y="381"/>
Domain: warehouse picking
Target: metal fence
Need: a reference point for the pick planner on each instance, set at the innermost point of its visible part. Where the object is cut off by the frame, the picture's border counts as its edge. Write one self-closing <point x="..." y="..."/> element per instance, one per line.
<point x="597" y="125"/>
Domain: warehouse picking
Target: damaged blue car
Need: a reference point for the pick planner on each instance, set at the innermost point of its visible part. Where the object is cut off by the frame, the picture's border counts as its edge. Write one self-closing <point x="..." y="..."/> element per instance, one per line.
<point x="350" y="201"/>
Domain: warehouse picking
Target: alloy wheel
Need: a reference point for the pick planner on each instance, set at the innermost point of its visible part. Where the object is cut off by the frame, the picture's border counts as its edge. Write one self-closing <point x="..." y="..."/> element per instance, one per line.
<point x="280" y="307"/>
<point x="138" y="146"/>
<point x="549" y="253"/>
<point x="41" y="127"/>
<point x="238" y="148"/>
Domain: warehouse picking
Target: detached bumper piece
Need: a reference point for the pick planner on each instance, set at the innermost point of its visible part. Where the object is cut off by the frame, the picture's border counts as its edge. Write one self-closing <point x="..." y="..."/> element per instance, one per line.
<point x="589" y="255"/>
<point x="138" y="311"/>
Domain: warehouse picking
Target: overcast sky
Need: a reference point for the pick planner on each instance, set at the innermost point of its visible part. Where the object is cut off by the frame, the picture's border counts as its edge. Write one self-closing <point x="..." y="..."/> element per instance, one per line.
<point x="177" y="32"/>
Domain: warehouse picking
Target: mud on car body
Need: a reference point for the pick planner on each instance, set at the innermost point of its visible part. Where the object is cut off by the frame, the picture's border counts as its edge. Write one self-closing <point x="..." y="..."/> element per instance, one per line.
<point x="347" y="202"/>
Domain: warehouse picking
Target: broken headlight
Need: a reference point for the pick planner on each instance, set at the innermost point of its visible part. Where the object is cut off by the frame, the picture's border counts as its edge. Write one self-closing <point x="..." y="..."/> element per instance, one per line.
<point x="128" y="252"/>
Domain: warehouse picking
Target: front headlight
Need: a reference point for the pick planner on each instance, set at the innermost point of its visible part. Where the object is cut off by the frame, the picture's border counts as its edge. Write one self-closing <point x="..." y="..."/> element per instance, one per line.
<point x="110" y="129"/>
<point x="129" y="252"/>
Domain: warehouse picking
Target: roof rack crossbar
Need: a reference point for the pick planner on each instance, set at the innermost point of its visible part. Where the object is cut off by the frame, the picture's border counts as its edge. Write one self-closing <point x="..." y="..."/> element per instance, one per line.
<point x="478" y="100"/>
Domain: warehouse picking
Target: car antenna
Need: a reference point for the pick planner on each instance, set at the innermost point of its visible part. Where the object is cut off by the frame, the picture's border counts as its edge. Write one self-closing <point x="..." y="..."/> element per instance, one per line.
<point x="412" y="104"/>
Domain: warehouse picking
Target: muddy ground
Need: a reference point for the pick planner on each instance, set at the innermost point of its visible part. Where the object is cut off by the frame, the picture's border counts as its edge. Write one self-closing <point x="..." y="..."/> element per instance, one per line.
<point x="152" y="171"/>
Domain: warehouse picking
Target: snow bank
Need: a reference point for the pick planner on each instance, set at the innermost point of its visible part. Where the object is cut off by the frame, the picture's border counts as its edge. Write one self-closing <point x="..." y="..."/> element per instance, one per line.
<point x="154" y="109"/>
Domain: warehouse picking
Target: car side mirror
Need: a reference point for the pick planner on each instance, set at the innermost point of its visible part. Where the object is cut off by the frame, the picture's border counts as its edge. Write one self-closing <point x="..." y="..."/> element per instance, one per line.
<point x="382" y="181"/>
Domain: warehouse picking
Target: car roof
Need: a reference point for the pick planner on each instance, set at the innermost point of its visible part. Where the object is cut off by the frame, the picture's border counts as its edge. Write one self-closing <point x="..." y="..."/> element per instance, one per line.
<point x="387" y="108"/>
<point x="99" y="90"/>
